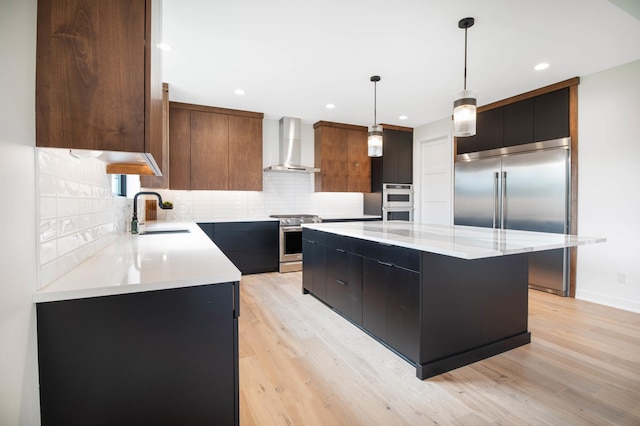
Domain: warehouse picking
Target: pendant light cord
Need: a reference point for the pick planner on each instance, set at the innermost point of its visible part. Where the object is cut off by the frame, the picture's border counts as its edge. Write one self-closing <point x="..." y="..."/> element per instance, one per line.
<point x="375" y="102"/>
<point x="465" y="59"/>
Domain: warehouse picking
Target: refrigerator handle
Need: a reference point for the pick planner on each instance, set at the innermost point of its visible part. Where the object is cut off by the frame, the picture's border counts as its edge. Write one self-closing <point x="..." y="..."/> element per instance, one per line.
<point x="496" y="206"/>
<point x="503" y="199"/>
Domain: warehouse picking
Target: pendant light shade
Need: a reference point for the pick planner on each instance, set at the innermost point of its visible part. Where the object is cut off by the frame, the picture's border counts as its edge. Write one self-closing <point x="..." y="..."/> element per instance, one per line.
<point x="464" y="104"/>
<point x="374" y="141"/>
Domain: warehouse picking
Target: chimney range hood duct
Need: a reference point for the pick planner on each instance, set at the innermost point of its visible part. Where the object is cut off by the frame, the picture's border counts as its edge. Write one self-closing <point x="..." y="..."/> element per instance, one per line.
<point x="290" y="148"/>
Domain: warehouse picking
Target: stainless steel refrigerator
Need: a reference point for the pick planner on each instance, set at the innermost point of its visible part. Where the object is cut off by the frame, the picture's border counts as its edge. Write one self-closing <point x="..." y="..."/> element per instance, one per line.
<point x="525" y="187"/>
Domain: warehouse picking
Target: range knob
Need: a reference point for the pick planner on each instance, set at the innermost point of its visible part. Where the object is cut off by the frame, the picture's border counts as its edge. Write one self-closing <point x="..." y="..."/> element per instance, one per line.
<point x="287" y="221"/>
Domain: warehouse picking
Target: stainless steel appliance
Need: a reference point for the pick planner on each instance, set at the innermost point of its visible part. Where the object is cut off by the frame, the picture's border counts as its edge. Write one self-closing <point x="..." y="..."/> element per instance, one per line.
<point x="291" y="239"/>
<point x="397" y="201"/>
<point x="525" y="187"/>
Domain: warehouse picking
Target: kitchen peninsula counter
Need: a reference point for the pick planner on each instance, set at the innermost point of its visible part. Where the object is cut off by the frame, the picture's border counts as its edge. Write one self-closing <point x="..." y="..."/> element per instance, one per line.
<point x="144" y="331"/>
<point x="138" y="263"/>
<point x="439" y="296"/>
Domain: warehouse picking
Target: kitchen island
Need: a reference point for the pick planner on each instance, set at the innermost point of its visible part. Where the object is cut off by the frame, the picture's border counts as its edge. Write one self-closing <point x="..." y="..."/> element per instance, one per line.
<point x="143" y="332"/>
<point x="440" y="296"/>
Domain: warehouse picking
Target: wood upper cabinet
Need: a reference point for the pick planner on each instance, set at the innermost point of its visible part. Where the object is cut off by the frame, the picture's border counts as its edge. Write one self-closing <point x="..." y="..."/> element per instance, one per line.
<point x="209" y="150"/>
<point x="214" y="148"/>
<point x="179" y="148"/>
<point x="245" y="153"/>
<point x="358" y="162"/>
<point x="341" y="155"/>
<point x="98" y="75"/>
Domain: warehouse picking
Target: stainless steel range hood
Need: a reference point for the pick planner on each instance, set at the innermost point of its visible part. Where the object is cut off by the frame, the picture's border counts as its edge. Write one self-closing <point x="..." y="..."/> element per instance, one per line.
<point x="290" y="148"/>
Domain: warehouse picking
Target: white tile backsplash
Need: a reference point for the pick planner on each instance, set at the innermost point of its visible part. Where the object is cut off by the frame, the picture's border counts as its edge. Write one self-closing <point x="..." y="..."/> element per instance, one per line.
<point x="283" y="193"/>
<point x="77" y="213"/>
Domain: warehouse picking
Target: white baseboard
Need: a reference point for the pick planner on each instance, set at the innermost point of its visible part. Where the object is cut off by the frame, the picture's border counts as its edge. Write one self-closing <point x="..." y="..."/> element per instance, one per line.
<point x="603" y="299"/>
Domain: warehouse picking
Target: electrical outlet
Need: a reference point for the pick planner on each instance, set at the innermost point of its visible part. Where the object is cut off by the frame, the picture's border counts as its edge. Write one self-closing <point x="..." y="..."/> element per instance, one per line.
<point x="623" y="278"/>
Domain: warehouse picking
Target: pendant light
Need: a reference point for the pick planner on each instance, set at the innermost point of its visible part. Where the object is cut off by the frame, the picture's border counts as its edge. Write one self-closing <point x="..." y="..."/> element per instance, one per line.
<point x="374" y="142"/>
<point x="464" y="104"/>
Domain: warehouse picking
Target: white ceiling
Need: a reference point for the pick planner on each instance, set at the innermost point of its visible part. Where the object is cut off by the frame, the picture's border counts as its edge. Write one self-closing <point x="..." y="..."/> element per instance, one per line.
<point x="292" y="57"/>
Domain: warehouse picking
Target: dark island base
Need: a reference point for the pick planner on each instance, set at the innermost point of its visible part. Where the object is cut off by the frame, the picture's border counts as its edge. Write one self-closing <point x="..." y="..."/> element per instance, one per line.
<point x="435" y="368"/>
<point x="437" y="312"/>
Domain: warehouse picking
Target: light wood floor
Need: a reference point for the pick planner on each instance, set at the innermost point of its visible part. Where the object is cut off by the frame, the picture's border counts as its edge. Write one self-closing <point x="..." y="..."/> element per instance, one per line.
<point x="303" y="364"/>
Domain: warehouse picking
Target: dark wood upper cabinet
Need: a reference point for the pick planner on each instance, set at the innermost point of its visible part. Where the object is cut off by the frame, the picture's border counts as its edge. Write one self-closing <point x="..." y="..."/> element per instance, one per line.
<point x="341" y="155"/>
<point x="551" y="115"/>
<point x="209" y="150"/>
<point x="179" y="148"/>
<point x="214" y="148"/>
<point x="518" y="123"/>
<point x="245" y="153"/>
<point x="98" y="81"/>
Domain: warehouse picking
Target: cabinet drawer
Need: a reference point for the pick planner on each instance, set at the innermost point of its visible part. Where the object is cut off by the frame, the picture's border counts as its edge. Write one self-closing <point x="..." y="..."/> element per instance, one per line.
<point x="245" y="226"/>
<point x="399" y="256"/>
<point x="263" y="240"/>
<point x="345" y="298"/>
<point x="313" y="235"/>
<point x="345" y="266"/>
<point x="340" y="242"/>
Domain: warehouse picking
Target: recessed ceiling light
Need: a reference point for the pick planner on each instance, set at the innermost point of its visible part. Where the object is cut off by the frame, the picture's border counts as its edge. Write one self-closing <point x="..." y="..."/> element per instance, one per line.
<point x="330" y="106"/>
<point x="541" y="66"/>
<point x="164" y="46"/>
<point x="239" y="92"/>
<point x="403" y="117"/>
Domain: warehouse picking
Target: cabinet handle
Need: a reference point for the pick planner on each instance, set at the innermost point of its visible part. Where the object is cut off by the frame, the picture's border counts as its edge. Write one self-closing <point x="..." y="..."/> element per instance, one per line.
<point x="385" y="263"/>
<point x="341" y="282"/>
<point x="341" y="251"/>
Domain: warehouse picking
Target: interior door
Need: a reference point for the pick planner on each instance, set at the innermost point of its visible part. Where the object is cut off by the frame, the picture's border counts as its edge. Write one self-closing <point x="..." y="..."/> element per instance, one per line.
<point x="476" y="193"/>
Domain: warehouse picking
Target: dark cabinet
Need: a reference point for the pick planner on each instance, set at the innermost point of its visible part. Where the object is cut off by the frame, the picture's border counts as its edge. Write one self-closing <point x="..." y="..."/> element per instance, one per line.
<point x="157" y="357"/>
<point x="489" y="129"/>
<point x="251" y="246"/>
<point x="518" y="123"/>
<point x="403" y="312"/>
<point x="314" y="263"/>
<point x="344" y="276"/>
<point x="396" y="163"/>
<point x="551" y="115"/>
<point x="540" y="118"/>
<point x="391" y="296"/>
<point x="375" y="276"/>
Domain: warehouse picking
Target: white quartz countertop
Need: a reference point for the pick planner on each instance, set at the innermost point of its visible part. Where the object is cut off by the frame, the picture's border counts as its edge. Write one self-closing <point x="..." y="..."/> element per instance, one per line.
<point x="136" y="263"/>
<point x="465" y="242"/>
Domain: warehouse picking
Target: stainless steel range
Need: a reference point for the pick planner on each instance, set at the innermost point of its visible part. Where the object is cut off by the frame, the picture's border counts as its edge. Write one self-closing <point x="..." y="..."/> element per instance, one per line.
<point x="291" y="239"/>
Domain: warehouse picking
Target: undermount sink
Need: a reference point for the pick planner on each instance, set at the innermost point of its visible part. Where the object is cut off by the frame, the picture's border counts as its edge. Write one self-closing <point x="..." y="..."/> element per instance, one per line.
<point x="165" y="231"/>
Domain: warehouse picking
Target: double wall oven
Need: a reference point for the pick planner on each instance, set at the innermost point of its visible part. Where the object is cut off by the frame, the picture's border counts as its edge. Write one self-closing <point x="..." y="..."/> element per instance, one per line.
<point x="397" y="201"/>
<point x="291" y="239"/>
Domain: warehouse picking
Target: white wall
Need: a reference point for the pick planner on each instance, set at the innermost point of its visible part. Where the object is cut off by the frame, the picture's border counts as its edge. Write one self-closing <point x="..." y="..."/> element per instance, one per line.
<point x="609" y="186"/>
<point x="19" y="402"/>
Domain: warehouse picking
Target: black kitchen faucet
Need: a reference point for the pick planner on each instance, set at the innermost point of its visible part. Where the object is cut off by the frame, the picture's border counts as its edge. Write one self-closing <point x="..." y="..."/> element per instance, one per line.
<point x="134" y="219"/>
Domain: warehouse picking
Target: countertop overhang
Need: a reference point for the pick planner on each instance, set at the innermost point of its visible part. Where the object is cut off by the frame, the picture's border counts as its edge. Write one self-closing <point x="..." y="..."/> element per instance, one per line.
<point x="465" y="242"/>
<point x="136" y="263"/>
